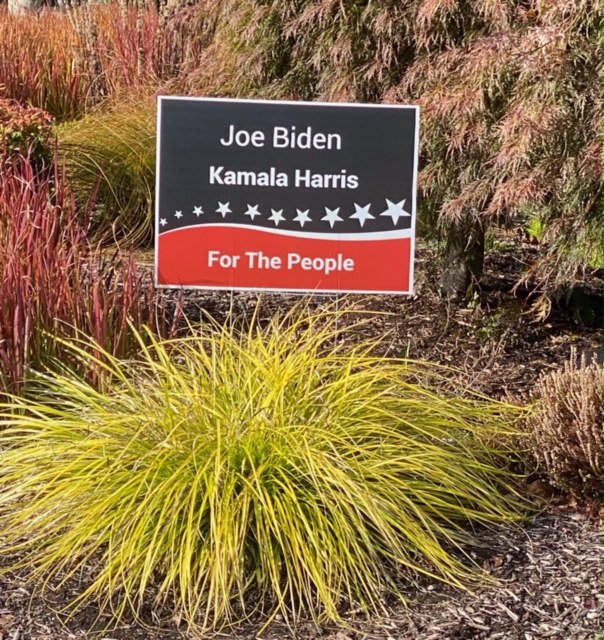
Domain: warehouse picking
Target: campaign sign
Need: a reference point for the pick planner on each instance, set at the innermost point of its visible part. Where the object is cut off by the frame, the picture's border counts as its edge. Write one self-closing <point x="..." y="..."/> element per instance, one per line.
<point x="285" y="196"/>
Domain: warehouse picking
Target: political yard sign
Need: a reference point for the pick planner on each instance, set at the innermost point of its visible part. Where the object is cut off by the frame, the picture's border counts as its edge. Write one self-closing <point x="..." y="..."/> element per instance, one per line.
<point x="285" y="196"/>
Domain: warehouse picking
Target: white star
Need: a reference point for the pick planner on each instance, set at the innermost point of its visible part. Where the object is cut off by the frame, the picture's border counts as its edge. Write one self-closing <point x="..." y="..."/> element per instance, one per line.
<point x="178" y="215"/>
<point x="362" y="213"/>
<point x="395" y="211"/>
<point x="331" y="216"/>
<point x="252" y="212"/>
<point x="223" y="209"/>
<point x="197" y="211"/>
<point x="163" y="222"/>
<point x="302" y="217"/>
<point x="276" y="216"/>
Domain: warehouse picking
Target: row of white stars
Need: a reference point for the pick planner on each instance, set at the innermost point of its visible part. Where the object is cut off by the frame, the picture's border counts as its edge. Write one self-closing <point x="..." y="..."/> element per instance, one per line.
<point x="361" y="213"/>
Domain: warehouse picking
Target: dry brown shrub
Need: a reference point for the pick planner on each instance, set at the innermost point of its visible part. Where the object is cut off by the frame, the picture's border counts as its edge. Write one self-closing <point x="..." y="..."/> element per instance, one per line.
<point x="566" y="426"/>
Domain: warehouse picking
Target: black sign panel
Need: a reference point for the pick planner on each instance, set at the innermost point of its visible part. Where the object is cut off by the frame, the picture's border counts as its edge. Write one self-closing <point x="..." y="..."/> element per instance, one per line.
<point x="239" y="181"/>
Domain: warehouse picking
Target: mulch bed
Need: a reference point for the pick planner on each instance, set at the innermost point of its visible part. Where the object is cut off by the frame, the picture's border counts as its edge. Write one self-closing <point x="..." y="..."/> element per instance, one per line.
<point x="550" y="586"/>
<point x="549" y="571"/>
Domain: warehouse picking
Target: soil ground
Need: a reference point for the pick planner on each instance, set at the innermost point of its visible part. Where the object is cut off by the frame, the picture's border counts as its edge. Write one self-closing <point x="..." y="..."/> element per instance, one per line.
<point x="550" y="571"/>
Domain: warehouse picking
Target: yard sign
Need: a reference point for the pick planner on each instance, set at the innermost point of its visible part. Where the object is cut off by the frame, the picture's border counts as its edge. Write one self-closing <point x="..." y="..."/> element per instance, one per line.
<point x="285" y="196"/>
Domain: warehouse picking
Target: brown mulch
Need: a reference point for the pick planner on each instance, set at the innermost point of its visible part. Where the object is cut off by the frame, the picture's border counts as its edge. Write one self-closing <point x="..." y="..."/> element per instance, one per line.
<point x="549" y="571"/>
<point x="550" y="586"/>
<point x="496" y="342"/>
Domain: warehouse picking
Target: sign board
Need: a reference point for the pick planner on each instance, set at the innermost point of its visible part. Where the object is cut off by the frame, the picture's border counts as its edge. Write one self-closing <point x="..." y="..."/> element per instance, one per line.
<point x="285" y="196"/>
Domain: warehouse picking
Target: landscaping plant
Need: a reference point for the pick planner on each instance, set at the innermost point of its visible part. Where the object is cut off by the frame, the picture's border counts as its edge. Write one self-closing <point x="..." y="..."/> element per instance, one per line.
<point x="112" y="155"/>
<point x="24" y="131"/>
<point x="70" y="60"/>
<point x="278" y="468"/>
<point x="52" y="280"/>
<point x="512" y="130"/>
<point x="128" y="50"/>
<point x="565" y="427"/>
<point x="39" y="64"/>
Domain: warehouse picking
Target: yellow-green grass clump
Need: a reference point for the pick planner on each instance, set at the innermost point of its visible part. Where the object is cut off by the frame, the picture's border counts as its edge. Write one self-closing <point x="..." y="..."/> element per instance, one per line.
<point x="280" y="468"/>
<point x="111" y="155"/>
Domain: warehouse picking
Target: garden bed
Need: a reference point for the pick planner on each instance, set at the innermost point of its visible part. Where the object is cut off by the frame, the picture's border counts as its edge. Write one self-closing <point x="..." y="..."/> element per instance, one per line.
<point x="550" y="570"/>
<point x="550" y="579"/>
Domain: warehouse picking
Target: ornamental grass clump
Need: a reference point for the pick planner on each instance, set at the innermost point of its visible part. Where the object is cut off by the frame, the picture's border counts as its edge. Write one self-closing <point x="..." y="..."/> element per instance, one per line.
<point x="68" y="61"/>
<point x="112" y="155"/>
<point x="54" y="281"/>
<point x="272" y="469"/>
<point x="39" y="64"/>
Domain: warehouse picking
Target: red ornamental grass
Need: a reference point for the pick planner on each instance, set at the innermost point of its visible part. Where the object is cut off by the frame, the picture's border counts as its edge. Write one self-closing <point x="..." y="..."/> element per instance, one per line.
<point x="38" y="63"/>
<point x="67" y="61"/>
<point x="53" y="282"/>
<point x="133" y="48"/>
